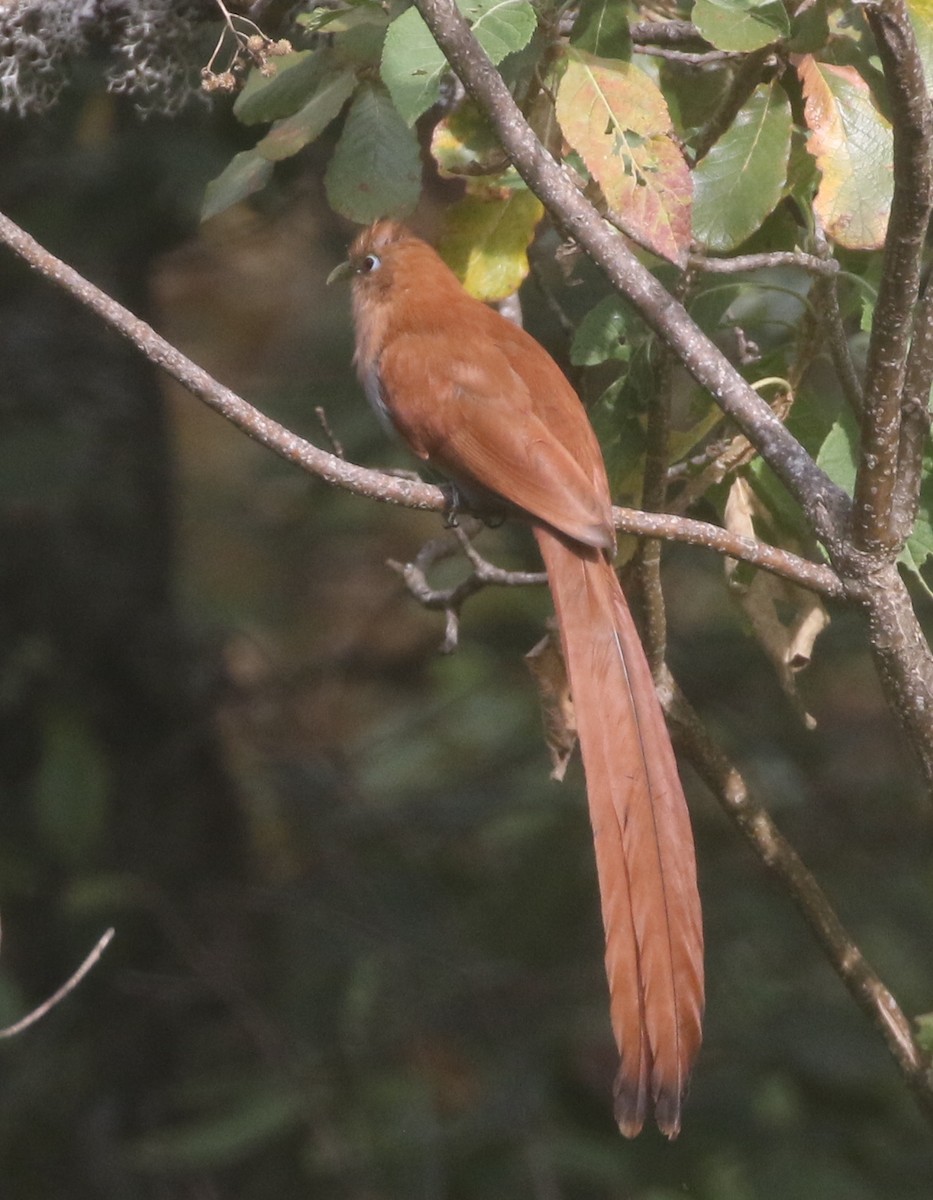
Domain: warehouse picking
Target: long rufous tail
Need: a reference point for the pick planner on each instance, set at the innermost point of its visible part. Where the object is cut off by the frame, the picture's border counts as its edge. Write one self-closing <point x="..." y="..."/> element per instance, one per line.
<point x="644" y="844"/>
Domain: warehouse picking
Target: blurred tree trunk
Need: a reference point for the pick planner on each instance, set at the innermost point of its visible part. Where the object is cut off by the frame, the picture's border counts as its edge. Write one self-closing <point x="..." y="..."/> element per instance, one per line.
<point x="108" y="755"/>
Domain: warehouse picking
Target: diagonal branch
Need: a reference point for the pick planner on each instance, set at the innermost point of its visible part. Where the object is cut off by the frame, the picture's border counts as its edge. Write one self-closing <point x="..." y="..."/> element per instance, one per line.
<point x="779" y="856"/>
<point x="824" y="503"/>
<point x="388" y="489"/>
<point x="873" y="524"/>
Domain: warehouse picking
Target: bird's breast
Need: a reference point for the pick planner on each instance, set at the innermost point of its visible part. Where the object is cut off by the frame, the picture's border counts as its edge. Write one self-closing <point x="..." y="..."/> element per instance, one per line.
<point x="372" y="387"/>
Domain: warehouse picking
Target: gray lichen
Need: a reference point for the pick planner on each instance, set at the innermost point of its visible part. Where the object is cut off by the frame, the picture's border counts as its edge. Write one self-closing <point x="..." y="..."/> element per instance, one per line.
<point x="151" y="48"/>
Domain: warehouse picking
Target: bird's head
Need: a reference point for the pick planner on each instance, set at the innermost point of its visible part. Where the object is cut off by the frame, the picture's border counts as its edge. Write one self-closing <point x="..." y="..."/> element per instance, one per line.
<point x="375" y="256"/>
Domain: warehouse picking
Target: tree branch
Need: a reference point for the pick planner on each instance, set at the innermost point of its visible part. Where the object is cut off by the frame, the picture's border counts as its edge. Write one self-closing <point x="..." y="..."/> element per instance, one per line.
<point x="873" y="525"/>
<point x="825" y="504"/>
<point x="780" y="857"/>
<point x="915" y="418"/>
<point x="387" y="489"/>
<point x="826" y="297"/>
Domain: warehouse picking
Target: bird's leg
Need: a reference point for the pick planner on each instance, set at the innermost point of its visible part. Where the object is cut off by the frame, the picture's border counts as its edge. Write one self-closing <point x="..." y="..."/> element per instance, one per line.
<point x="473" y="502"/>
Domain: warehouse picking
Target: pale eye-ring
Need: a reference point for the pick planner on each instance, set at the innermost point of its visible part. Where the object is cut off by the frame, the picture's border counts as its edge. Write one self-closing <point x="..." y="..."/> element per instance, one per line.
<point x="369" y="264"/>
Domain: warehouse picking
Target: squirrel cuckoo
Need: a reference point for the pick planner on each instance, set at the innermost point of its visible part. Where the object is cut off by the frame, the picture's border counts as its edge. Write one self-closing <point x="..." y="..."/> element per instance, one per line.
<point x="481" y="400"/>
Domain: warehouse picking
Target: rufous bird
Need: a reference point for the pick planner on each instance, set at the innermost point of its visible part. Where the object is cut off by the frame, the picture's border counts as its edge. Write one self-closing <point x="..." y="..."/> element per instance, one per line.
<point x="478" y="398"/>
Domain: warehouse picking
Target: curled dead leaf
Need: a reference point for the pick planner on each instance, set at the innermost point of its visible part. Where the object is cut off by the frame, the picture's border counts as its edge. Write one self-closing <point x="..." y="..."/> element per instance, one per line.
<point x="785" y="618"/>
<point x="546" y="664"/>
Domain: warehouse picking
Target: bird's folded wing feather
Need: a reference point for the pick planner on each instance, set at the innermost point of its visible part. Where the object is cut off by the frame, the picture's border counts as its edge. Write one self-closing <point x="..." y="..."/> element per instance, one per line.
<point x="475" y="420"/>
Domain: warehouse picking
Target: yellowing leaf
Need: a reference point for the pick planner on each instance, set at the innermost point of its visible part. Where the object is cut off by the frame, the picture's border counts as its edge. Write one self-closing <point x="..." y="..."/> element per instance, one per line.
<point x="853" y="147"/>
<point x="486" y="241"/>
<point x="464" y="144"/>
<point x="616" y="119"/>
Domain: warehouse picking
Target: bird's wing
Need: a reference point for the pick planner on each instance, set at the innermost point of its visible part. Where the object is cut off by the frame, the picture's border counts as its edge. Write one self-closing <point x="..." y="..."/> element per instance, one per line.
<point x="466" y="410"/>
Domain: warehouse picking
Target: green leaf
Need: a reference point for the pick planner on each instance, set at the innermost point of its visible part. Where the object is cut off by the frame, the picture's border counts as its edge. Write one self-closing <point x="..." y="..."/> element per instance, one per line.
<point x="739" y="24"/>
<point x="297" y="131"/>
<point x="500" y="26"/>
<point x="362" y="36"/>
<point x="486" y="240"/>
<point x="413" y="63"/>
<point x="809" y="28"/>
<point x="600" y="336"/>
<point x="602" y="28"/>
<point x="375" y="170"/>
<point x="246" y="173"/>
<point x="741" y="179"/>
<point x="270" y="98"/>
<point x="339" y="20"/>
<point x="838" y="454"/>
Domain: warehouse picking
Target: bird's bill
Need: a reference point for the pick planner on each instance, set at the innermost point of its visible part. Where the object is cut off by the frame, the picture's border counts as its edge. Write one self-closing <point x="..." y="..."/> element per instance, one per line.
<point x="344" y="271"/>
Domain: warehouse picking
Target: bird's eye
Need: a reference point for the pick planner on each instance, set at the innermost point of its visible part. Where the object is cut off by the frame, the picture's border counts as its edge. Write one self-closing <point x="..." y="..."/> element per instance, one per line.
<point x="369" y="264"/>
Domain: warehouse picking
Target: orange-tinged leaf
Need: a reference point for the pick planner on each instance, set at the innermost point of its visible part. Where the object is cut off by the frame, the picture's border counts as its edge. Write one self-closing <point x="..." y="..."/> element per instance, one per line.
<point x="853" y="146"/>
<point x="617" y="120"/>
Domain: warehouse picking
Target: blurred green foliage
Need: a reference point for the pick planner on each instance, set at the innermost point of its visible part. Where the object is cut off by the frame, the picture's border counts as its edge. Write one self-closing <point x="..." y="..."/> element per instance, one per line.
<point x="358" y="951"/>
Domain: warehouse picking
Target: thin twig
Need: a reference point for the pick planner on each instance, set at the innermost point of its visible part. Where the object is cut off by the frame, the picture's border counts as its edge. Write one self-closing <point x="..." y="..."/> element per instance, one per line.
<point x="827" y="303"/>
<point x="735" y="454"/>
<point x="647" y="563"/>
<point x="67" y="987"/>
<point x="336" y="445"/>
<point x="451" y="600"/>
<point x="690" y="58"/>
<point x="763" y="262"/>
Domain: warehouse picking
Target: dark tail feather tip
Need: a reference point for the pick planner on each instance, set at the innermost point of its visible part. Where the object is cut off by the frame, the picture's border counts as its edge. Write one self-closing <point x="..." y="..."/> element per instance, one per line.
<point x="629" y="1106"/>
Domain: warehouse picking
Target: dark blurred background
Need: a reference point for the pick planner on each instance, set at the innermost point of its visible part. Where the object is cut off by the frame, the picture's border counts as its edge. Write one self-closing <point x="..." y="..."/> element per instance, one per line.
<point x="358" y="950"/>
